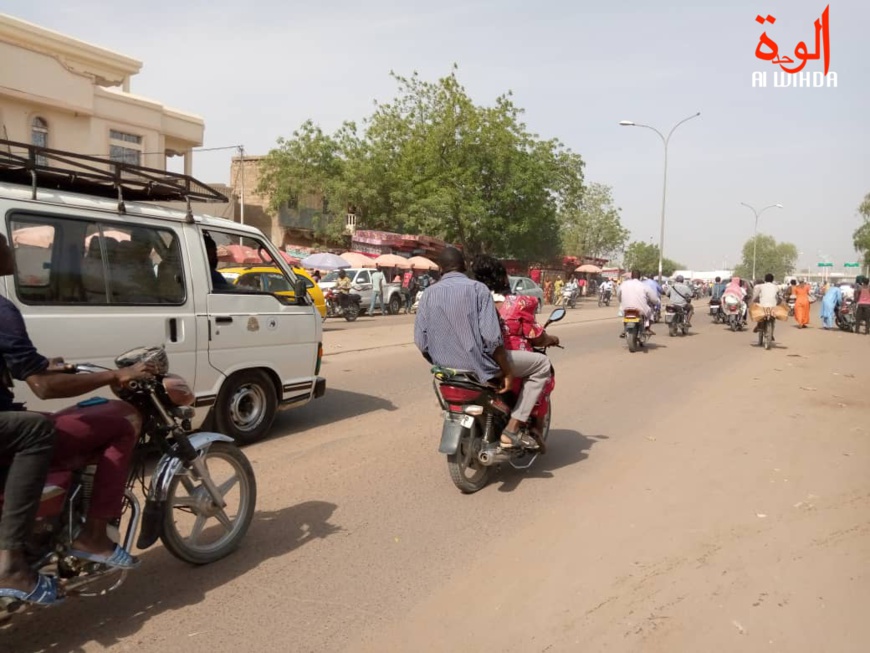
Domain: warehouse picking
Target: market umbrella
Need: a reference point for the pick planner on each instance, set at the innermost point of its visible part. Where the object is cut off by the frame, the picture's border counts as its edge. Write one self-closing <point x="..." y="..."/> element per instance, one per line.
<point x="392" y="261"/>
<point x="588" y="267"/>
<point x="291" y="260"/>
<point x="422" y="263"/>
<point x="358" y="260"/>
<point x="39" y="236"/>
<point x="238" y="254"/>
<point x="324" y="261"/>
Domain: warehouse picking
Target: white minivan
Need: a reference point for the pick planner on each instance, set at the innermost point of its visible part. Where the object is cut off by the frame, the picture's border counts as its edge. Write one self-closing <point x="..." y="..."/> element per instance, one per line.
<point x="96" y="277"/>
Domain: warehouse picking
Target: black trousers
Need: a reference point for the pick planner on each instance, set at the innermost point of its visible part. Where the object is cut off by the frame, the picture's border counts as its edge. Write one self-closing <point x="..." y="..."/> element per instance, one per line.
<point x="26" y="444"/>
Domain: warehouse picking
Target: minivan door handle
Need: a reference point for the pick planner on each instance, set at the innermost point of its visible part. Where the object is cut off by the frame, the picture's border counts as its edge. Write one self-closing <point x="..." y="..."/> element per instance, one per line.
<point x="173" y="329"/>
<point x="223" y="320"/>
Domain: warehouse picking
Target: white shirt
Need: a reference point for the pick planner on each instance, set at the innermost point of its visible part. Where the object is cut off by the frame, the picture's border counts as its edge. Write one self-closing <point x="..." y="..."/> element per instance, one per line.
<point x="635" y="294"/>
<point x="767" y="295"/>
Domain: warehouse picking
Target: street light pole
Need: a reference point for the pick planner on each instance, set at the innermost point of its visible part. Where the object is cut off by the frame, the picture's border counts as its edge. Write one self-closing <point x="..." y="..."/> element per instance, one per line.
<point x="755" y="232"/>
<point x="665" y="141"/>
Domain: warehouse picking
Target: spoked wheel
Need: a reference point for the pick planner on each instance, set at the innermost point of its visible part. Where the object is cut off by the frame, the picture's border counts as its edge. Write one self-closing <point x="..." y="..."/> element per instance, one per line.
<point x="767" y="335"/>
<point x="466" y="471"/>
<point x="194" y="528"/>
<point x="351" y="312"/>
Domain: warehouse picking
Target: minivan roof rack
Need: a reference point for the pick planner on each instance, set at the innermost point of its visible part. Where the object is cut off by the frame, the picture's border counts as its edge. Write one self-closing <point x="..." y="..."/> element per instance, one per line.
<point x="48" y="169"/>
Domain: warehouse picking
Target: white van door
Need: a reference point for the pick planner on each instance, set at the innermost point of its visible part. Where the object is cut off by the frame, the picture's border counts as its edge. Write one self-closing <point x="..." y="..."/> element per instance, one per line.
<point x="91" y="289"/>
<point x="266" y="348"/>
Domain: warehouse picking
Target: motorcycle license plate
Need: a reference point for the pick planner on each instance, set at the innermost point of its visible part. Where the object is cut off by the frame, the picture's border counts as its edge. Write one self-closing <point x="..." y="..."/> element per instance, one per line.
<point x="714" y="310"/>
<point x="633" y="320"/>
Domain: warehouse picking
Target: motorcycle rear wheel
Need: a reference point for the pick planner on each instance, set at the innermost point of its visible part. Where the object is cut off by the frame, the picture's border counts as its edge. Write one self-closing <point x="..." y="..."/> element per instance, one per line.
<point x="462" y="462"/>
<point x="188" y="501"/>
<point x="767" y="335"/>
<point x="631" y="339"/>
<point x="351" y="312"/>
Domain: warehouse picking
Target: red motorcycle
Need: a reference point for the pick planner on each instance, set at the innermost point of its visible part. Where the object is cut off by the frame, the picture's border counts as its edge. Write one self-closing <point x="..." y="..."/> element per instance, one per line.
<point x="199" y="478"/>
<point x="475" y="415"/>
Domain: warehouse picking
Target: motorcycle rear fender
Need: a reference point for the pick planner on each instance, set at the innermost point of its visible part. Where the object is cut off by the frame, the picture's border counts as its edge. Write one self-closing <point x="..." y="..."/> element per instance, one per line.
<point x="167" y="467"/>
<point x="451" y="433"/>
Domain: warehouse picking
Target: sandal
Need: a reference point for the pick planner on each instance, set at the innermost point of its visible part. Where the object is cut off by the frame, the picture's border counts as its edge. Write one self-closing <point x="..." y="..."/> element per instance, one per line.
<point x="519" y="439"/>
<point x="46" y="592"/>
<point x="119" y="559"/>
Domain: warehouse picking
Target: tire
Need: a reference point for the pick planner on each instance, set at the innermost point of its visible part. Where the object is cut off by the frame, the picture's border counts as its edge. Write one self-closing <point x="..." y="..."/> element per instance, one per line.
<point x="672" y="329"/>
<point x="458" y="468"/>
<point x="246" y="406"/>
<point x="761" y="337"/>
<point x="194" y="500"/>
<point x="395" y="304"/>
<point x="733" y="324"/>
<point x="351" y="313"/>
<point x="631" y="339"/>
<point x="768" y="335"/>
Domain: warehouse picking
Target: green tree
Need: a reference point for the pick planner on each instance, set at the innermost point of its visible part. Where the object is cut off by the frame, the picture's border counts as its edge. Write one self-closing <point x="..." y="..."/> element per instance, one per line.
<point x="861" y="237"/>
<point x="776" y="258"/>
<point x="644" y="257"/>
<point x="592" y="227"/>
<point x="431" y="161"/>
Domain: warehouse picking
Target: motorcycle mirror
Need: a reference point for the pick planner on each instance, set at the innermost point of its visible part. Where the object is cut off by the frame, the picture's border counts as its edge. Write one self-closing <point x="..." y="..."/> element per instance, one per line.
<point x="556" y="315"/>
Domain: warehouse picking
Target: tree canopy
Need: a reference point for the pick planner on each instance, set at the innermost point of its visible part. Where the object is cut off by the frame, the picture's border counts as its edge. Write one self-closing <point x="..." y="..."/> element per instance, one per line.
<point x="644" y="257"/>
<point x="861" y="237"/>
<point x="592" y="226"/>
<point x="432" y="161"/>
<point x="778" y="259"/>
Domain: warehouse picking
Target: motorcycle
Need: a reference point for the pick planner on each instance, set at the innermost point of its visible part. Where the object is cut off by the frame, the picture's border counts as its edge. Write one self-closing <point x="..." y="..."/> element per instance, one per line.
<point x="656" y="314"/>
<point x="636" y="334"/>
<point x="417" y="299"/>
<point x="765" y="329"/>
<point x="347" y="307"/>
<point x="675" y="318"/>
<point x="569" y="297"/>
<point x="184" y="488"/>
<point x="475" y="415"/>
<point x="716" y="310"/>
<point x="604" y="298"/>
<point x="845" y="316"/>
<point x="791" y="302"/>
<point x="734" y="312"/>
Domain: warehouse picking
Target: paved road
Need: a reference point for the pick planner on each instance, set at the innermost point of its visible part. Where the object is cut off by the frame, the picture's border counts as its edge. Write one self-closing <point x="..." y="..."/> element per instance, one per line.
<point x="703" y="496"/>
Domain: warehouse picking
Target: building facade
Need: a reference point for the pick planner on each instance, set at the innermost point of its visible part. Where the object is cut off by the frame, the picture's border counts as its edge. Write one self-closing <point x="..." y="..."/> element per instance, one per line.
<point x="62" y="93"/>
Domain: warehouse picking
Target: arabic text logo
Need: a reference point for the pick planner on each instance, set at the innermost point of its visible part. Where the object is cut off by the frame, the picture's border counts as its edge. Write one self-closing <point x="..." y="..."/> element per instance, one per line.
<point x="792" y="66"/>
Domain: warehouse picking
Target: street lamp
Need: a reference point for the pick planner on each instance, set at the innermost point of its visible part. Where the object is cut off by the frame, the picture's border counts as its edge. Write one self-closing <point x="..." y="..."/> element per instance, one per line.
<point x="665" y="140"/>
<point x="755" y="233"/>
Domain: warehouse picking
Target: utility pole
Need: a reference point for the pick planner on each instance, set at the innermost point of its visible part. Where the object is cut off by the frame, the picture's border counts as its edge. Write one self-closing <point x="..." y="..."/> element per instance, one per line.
<point x="242" y="194"/>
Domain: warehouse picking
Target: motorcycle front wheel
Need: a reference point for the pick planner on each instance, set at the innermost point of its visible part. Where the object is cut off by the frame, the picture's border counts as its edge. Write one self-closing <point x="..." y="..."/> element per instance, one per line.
<point x="466" y="471"/>
<point x="351" y="312"/>
<point x="194" y="528"/>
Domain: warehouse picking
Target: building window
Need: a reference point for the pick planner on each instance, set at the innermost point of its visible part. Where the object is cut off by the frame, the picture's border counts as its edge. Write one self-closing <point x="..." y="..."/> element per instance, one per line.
<point x="39" y="137"/>
<point x="124" y="147"/>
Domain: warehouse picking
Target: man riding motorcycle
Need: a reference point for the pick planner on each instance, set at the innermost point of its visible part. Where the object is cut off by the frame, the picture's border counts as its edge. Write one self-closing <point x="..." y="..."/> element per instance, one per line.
<point x="681" y="295"/>
<point x="766" y="295"/>
<point x="606" y="289"/>
<point x="457" y="326"/>
<point x="28" y="442"/>
<point x="635" y="294"/>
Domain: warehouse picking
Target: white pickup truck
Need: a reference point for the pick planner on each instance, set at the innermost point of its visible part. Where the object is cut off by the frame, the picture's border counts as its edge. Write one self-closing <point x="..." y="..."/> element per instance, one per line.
<point x="361" y="279"/>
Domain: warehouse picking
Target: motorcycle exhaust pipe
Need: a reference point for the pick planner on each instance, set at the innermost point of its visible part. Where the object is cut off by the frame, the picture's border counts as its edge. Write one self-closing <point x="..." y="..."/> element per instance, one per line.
<point x="492" y="455"/>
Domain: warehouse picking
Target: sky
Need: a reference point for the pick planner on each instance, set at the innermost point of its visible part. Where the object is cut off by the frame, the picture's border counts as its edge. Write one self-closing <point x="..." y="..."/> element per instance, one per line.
<point x="256" y="70"/>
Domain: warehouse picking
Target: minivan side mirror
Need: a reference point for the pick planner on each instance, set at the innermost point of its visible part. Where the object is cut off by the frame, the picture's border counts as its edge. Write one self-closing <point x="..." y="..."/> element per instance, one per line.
<point x="300" y="290"/>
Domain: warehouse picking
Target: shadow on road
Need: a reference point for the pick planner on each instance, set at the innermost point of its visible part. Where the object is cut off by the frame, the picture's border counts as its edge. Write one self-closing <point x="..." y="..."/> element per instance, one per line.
<point x="163" y="584"/>
<point x="564" y="448"/>
<point x="334" y="406"/>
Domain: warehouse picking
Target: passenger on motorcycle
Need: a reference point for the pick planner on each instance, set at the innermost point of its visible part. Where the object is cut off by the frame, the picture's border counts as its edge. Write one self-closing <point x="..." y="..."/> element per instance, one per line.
<point x="766" y="295"/>
<point x="520" y="328"/>
<point x="635" y="294"/>
<point x="681" y="295"/>
<point x="457" y="326"/>
<point x="28" y="443"/>
<point x="718" y="289"/>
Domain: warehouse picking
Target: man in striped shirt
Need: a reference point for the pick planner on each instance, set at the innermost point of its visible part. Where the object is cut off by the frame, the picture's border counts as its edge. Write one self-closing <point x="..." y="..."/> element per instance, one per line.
<point x="457" y="326"/>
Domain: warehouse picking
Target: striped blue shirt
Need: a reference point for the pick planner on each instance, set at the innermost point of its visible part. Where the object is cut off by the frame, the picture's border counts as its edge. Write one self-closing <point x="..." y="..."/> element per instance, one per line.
<point x="457" y="326"/>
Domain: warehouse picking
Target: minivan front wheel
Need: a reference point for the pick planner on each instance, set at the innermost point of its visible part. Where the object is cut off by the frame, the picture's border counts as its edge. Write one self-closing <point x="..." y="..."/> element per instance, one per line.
<point x="246" y="406"/>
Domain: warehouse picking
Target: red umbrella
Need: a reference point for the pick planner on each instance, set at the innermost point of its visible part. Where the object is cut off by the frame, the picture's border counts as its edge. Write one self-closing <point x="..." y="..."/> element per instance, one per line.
<point x="238" y="254"/>
<point x="294" y="262"/>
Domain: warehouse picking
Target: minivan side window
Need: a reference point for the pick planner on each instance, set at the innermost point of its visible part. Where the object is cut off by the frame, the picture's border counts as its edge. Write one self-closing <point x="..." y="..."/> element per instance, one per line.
<point x="237" y="255"/>
<point x="60" y="260"/>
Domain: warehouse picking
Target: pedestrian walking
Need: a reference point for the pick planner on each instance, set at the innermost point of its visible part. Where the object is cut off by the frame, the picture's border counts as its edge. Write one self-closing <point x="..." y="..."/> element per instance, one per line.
<point x="802" y="304"/>
<point x="378" y="282"/>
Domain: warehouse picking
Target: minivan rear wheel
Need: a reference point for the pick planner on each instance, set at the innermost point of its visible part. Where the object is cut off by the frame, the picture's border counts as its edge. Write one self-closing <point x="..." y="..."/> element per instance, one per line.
<point x="246" y="406"/>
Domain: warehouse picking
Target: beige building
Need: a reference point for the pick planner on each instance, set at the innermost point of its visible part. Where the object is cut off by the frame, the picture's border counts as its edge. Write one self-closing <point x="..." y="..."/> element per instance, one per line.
<point x="65" y="94"/>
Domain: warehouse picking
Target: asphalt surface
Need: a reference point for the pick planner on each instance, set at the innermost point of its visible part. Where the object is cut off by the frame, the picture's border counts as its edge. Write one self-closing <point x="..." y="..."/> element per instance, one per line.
<point x="704" y="495"/>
